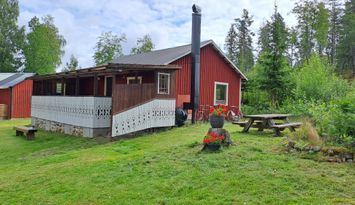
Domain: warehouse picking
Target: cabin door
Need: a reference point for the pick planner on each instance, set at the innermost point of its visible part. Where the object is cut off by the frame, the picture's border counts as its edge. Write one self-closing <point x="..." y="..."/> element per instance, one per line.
<point x="108" y="86"/>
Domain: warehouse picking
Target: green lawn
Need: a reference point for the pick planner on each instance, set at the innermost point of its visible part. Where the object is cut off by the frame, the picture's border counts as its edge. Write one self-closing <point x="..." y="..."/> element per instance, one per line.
<point x="164" y="168"/>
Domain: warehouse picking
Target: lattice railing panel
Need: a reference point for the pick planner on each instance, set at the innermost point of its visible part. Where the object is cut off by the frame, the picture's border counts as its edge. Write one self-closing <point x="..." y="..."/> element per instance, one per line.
<point x="156" y="113"/>
<point x="92" y="112"/>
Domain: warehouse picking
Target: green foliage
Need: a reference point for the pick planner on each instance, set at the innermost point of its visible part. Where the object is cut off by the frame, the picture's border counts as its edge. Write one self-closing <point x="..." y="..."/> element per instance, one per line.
<point x="11" y="37"/>
<point x="274" y="75"/>
<point x="108" y="47"/>
<point x="335" y="15"/>
<point x="322" y="27"/>
<point x="144" y="45"/>
<point x="231" y="44"/>
<point x="72" y="65"/>
<point x="345" y="50"/>
<point x="44" y="46"/>
<point x="239" y="41"/>
<point x="164" y="168"/>
<point x="316" y="81"/>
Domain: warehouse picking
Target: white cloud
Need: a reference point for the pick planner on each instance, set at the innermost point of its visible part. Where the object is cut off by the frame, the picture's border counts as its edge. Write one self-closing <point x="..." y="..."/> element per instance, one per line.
<point x="167" y="22"/>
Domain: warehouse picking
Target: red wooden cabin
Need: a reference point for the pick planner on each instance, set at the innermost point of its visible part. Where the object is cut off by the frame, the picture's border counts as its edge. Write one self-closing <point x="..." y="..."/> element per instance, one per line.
<point x="15" y="95"/>
<point x="133" y="92"/>
<point x="220" y="80"/>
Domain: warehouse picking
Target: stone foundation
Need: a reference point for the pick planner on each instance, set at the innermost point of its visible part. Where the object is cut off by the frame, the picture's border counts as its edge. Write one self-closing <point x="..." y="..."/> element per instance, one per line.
<point x="70" y="129"/>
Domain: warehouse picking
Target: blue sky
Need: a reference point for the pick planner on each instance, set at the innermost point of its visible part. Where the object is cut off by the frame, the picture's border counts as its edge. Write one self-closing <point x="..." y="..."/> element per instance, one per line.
<point x="167" y="22"/>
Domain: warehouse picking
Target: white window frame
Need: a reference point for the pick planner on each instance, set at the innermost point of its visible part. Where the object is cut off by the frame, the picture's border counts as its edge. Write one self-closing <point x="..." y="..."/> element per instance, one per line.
<point x="168" y="74"/>
<point x="60" y="90"/>
<point x="215" y="89"/>
<point x="133" y="78"/>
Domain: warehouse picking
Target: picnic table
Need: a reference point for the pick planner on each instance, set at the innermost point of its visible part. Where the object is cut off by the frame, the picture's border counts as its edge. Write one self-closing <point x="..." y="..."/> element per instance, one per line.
<point x="266" y="121"/>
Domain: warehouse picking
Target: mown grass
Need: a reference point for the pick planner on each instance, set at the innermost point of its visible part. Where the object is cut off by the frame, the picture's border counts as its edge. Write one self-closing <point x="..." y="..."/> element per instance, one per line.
<point x="164" y="168"/>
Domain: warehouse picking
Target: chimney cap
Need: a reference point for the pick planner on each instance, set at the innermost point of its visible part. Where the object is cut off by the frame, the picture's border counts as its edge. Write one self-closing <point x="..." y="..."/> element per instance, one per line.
<point x="196" y="9"/>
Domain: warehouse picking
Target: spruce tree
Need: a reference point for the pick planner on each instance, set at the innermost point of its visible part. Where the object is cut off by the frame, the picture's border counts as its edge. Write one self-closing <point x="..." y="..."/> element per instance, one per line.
<point x="274" y="75"/>
<point x="244" y="49"/>
<point x="231" y="44"/>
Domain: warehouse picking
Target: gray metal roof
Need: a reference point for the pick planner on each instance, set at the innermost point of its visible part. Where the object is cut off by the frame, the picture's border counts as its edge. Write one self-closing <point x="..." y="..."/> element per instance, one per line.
<point x="167" y="56"/>
<point x="8" y="80"/>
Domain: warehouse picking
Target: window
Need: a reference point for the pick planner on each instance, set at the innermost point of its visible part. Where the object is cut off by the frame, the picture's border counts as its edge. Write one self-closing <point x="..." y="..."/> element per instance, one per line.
<point x="220" y="93"/>
<point x="132" y="80"/>
<point x="58" y="89"/>
<point x="163" y="83"/>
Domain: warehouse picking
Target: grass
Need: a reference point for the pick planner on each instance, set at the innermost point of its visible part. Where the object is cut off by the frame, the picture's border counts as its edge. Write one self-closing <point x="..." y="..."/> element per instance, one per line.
<point x="164" y="168"/>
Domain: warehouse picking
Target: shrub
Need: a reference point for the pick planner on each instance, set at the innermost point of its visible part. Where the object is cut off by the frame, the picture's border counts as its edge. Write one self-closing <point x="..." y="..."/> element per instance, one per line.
<point x="307" y="134"/>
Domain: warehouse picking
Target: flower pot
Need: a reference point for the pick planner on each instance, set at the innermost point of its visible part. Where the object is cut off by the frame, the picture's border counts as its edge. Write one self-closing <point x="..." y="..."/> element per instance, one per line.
<point x="216" y="121"/>
<point x="213" y="147"/>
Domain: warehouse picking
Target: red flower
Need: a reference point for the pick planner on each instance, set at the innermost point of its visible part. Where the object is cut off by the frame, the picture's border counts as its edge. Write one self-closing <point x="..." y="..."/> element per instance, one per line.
<point x="206" y="141"/>
<point x="221" y="137"/>
<point x="211" y="109"/>
<point x="219" y="114"/>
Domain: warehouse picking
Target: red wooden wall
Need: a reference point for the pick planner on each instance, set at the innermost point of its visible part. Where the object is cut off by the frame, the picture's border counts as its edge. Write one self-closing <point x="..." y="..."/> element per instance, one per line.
<point x="5" y="98"/>
<point x="21" y="99"/>
<point x="213" y="68"/>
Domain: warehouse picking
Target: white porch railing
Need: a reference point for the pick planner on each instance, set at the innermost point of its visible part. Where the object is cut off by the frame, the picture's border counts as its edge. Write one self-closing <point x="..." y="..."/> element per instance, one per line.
<point x="91" y="112"/>
<point x="156" y="113"/>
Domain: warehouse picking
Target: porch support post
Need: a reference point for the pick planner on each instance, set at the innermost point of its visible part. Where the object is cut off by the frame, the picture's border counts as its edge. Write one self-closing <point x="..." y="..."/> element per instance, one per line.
<point x="77" y="84"/>
<point x="95" y="85"/>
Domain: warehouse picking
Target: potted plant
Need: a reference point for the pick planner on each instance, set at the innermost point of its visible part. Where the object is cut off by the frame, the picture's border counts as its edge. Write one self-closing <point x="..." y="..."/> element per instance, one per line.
<point x="217" y="116"/>
<point x="213" y="141"/>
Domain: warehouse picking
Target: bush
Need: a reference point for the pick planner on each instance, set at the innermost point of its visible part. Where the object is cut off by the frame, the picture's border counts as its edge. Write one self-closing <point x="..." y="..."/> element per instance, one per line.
<point x="316" y="81"/>
<point x="307" y="133"/>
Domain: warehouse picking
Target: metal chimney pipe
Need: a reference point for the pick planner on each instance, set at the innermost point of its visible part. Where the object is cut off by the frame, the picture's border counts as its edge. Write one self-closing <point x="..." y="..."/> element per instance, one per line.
<point x="195" y="60"/>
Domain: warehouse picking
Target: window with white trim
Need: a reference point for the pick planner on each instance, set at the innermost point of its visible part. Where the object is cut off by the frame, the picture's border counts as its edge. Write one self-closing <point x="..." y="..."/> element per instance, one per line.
<point x="163" y="83"/>
<point x="220" y="93"/>
<point x="132" y="80"/>
<point x="58" y="89"/>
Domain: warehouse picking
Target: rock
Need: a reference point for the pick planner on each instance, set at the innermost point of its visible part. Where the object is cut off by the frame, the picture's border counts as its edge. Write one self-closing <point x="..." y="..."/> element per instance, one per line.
<point x="306" y="149"/>
<point x="330" y="152"/>
<point x="349" y="160"/>
<point x="348" y="156"/>
<point x="331" y="159"/>
<point x="338" y="160"/>
<point x="317" y="148"/>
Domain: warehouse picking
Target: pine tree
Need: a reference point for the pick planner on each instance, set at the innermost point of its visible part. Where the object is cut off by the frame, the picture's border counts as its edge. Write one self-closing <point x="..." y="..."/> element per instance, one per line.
<point x="346" y="47"/>
<point x="306" y="12"/>
<point x="321" y="28"/>
<point x="244" y="49"/>
<point x="11" y="37"/>
<point x="231" y="44"/>
<point x="335" y="14"/>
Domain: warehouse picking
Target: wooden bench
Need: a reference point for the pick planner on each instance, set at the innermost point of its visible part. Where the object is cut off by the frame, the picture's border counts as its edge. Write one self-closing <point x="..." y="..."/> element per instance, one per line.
<point x="291" y="126"/>
<point x="240" y="123"/>
<point x="29" y="132"/>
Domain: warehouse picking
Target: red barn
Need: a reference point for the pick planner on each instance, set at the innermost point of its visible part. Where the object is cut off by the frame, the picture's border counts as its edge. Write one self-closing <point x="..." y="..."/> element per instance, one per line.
<point x="220" y="79"/>
<point x="15" y="94"/>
